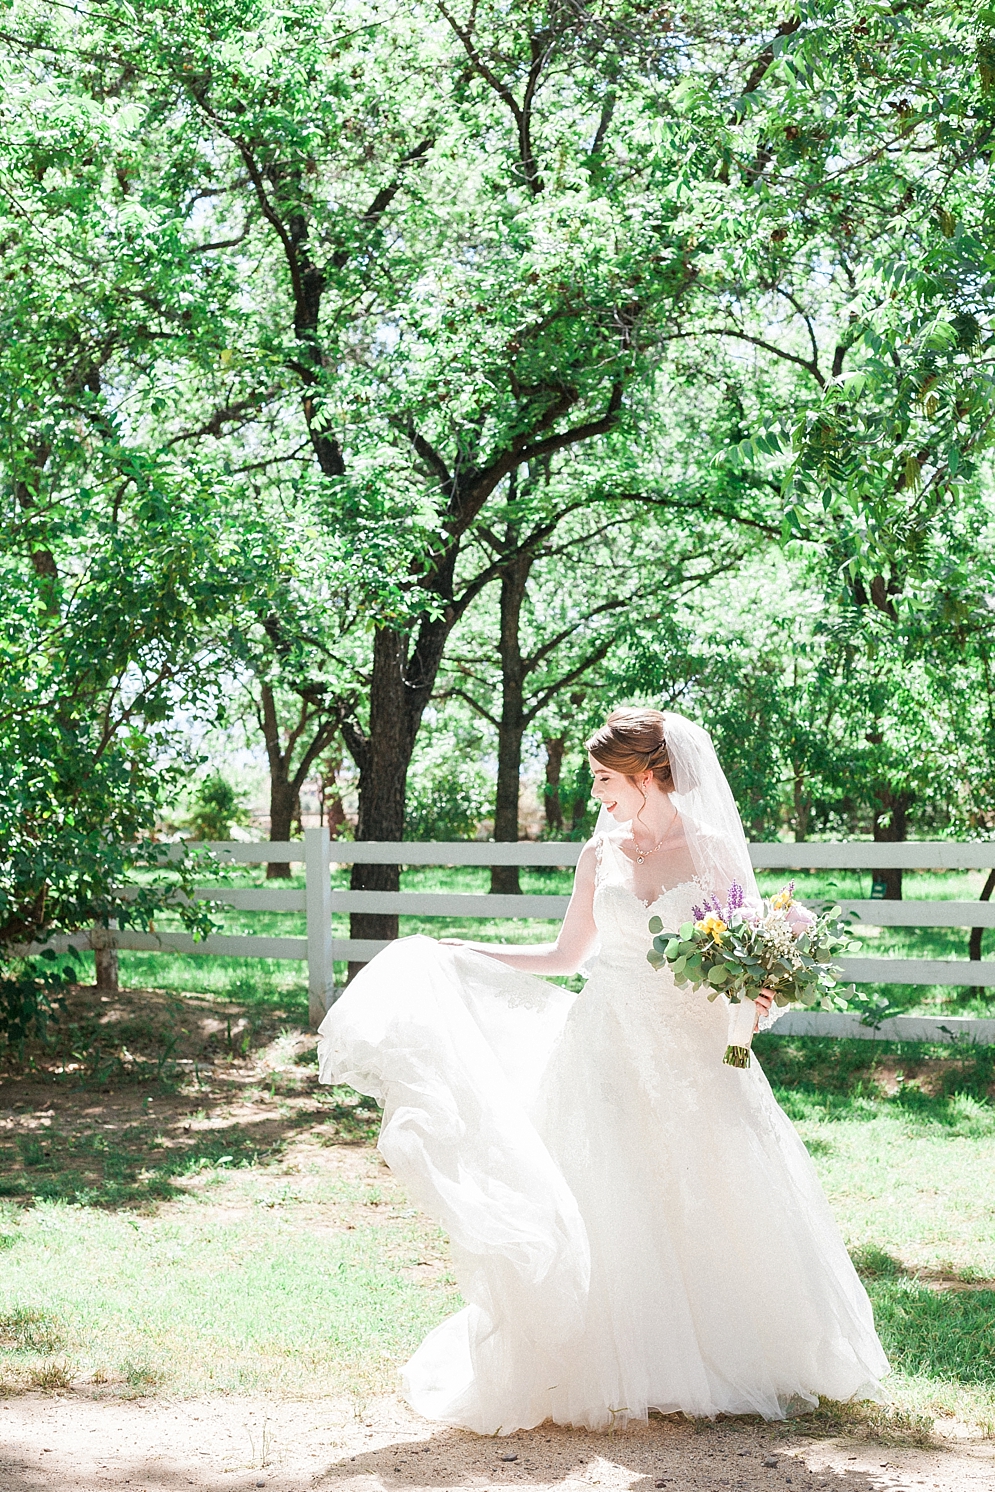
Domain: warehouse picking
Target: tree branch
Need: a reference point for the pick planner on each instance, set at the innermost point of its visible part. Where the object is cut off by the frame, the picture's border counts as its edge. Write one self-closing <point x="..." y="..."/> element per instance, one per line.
<point x="223" y="243"/>
<point x="426" y="451"/>
<point x="521" y="113"/>
<point x="231" y="414"/>
<point x="732" y="331"/>
<point x="478" y="708"/>
<point x="766" y="58"/>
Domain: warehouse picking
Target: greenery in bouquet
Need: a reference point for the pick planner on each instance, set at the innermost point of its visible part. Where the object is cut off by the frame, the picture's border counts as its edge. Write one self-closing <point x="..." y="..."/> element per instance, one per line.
<point x="737" y="950"/>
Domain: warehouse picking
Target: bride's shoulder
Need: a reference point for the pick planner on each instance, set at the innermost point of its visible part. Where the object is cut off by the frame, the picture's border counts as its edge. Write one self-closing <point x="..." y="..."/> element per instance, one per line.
<point x="589" y="859"/>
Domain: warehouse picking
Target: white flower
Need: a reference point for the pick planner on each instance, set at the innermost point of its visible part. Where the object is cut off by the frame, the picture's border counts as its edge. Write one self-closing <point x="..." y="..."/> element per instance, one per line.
<point x="777" y="934"/>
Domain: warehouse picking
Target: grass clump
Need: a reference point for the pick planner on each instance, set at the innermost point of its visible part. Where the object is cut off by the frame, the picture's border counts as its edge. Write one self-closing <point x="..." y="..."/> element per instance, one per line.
<point x="27" y="1330"/>
<point x="51" y="1376"/>
<point x="141" y="1378"/>
<point x="885" y="1424"/>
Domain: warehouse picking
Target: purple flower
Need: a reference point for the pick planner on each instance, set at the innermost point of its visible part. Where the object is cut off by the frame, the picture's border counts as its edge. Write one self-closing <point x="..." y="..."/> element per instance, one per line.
<point x="736" y="897"/>
<point x="698" y="913"/>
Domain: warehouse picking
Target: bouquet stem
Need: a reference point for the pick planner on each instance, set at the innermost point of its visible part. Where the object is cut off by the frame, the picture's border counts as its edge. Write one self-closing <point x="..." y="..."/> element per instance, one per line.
<point x="742" y="1018"/>
<point x="737" y="1056"/>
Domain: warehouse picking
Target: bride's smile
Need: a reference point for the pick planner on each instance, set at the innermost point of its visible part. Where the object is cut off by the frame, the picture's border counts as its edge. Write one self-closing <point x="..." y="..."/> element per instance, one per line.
<point x="638" y="801"/>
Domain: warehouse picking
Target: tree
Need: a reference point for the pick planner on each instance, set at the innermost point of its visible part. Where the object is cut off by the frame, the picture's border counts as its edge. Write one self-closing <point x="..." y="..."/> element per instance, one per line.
<point x="564" y="597"/>
<point x="372" y="277"/>
<point x="217" y="807"/>
<point x="110" y="564"/>
<point x="838" y="187"/>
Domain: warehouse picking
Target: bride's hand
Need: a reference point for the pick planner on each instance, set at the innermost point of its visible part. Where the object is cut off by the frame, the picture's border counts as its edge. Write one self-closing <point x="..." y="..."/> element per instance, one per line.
<point x="763" y="1002"/>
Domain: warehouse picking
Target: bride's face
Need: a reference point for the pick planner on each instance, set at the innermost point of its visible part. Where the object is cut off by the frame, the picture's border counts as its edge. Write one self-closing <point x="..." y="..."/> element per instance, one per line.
<point x="622" y="797"/>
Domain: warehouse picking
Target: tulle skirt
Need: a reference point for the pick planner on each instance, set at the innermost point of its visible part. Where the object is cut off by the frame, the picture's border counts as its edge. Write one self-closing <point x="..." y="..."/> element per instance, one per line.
<point x="633" y="1224"/>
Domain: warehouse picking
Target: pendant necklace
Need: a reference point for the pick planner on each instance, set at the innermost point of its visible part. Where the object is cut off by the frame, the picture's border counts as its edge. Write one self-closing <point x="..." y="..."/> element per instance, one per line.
<point x="645" y="854"/>
<point x="642" y="855"/>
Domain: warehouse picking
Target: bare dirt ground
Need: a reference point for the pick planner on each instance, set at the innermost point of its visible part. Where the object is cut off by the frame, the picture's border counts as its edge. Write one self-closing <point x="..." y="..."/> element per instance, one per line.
<point x="161" y="1079"/>
<point x="79" y="1443"/>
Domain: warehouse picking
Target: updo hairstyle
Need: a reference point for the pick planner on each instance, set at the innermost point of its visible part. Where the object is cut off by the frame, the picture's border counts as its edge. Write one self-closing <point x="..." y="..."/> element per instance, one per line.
<point x="633" y="741"/>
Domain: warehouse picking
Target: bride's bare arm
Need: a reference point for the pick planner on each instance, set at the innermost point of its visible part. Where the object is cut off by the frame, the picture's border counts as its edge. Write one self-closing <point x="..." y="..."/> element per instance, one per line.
<point x="577" y="933"/>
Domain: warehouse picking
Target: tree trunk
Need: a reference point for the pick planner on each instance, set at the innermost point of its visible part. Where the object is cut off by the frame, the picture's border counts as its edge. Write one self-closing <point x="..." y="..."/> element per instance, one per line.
<point x="105" y="960"/>
<point x="400" y="688"/>
<point x="329" y="797"/>
<point x="282" y="806"/>
<point x="582" y="797"/>
<point x="555" y="748"/>
<point x="383" y="764"/>
<point x="511" y="728"/>
<point x="316" y="732"/>
<point x="504" y="878"/>
<point x="974" y="942"/>
<point x="894" y="807"/>
<point x="803" y="805"/>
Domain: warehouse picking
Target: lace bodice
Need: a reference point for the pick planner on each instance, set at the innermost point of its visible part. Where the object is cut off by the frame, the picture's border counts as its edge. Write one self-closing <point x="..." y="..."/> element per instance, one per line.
<point x="622" y="919"/>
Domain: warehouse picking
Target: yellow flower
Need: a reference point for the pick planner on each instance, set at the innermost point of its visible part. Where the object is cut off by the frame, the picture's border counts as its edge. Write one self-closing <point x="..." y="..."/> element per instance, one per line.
<point x="782" y="901"/>
<point x="713" y="925"/>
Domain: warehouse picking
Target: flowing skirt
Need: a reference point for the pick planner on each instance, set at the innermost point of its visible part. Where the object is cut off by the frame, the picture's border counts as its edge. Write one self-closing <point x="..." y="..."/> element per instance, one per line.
<point x="633" y="1224"/>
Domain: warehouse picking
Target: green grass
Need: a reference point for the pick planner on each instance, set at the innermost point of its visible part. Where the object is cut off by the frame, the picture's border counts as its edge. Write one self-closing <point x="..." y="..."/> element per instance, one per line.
<point x="903" y="1137"/>
<point x="225" y="1238"/>
<point x="228" y="1290"/>
<point x="213" y="1265"/>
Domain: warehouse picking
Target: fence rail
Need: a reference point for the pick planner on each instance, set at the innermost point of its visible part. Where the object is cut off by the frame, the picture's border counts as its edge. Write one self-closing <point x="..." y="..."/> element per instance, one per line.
<point x="321" y="950"/>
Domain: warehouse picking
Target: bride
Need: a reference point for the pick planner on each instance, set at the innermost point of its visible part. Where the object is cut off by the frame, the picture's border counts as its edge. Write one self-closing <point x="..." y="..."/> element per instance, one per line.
<point x="634" y="1225"/>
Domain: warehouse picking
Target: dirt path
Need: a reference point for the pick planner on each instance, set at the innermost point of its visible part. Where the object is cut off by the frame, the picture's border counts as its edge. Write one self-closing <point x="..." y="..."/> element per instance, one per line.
<point x="80" y="1443"/>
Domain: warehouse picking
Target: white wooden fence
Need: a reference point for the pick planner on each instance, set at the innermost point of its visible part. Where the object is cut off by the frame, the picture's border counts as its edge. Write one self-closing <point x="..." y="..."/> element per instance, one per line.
<point x="320" y="949"/>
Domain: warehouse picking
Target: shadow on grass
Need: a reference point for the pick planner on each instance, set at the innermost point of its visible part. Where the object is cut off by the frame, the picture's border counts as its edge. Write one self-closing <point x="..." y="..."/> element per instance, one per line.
<point x="128" y="1169"/>
<point x="946" y="1334"/>
<point x="951" y="1086"/>
<point x="92" y="1170"/>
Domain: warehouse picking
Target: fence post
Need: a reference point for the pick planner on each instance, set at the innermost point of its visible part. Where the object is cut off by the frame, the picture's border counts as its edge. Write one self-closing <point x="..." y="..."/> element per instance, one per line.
<point x="318" y="900"/>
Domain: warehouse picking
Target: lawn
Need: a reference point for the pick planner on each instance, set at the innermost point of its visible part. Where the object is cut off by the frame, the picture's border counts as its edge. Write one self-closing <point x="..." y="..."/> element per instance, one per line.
<point x="182" y="1209"/>
<point x="903" y="1137"/>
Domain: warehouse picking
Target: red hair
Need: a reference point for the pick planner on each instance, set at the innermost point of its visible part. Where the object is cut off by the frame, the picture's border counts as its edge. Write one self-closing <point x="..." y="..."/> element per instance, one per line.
<point x="633" y="741"/>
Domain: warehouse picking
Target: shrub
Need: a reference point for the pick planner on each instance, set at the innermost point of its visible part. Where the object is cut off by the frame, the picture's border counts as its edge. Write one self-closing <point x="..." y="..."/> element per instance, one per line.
<point x="217" y="806"/>
<point x="447" y="803"/>
<point x="30" y="991"/>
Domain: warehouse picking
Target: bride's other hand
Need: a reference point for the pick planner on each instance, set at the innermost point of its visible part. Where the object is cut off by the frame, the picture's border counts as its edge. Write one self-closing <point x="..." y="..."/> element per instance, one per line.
<point x="763" y="1002"/>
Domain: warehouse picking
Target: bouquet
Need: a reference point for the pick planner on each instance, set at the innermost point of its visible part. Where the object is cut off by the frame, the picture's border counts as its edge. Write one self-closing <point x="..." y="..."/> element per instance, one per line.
<point x="737" y="952"/>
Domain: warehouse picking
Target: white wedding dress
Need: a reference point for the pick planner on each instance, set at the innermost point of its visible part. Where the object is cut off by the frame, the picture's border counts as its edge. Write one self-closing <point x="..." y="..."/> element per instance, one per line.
<point x="634" y="1225"/>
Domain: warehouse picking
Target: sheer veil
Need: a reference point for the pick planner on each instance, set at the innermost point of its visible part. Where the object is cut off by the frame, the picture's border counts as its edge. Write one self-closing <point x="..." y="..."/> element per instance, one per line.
<point x="709" y="816"/>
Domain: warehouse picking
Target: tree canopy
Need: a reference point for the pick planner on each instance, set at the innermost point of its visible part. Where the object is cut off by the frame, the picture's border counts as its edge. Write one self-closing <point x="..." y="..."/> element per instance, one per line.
<point x="367" y="369"/>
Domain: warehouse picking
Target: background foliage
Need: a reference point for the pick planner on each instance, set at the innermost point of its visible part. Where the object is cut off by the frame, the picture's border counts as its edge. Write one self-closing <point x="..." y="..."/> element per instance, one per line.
<point x="402" y="388"/>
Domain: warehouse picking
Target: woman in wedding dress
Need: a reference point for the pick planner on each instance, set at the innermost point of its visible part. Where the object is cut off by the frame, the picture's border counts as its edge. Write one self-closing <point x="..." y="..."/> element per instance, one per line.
<point x="634" y="1225"/>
